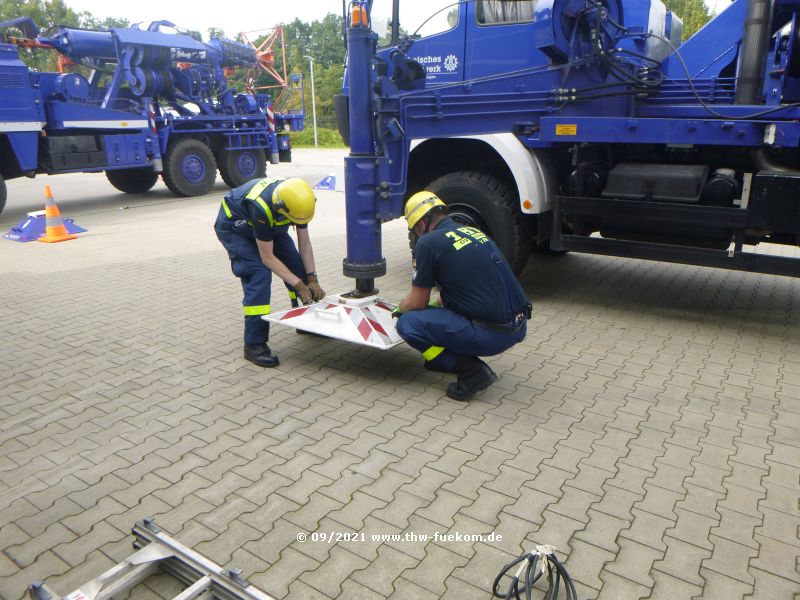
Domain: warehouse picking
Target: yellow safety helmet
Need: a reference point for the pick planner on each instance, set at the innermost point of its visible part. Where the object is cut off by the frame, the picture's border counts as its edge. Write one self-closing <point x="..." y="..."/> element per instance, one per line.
<point x="294" y="199"/>
<point x="418" y="206"/>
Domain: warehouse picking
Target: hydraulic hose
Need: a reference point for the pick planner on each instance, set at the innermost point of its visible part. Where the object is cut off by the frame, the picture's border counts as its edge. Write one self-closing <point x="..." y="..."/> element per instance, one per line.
<point x="531" y="567"/>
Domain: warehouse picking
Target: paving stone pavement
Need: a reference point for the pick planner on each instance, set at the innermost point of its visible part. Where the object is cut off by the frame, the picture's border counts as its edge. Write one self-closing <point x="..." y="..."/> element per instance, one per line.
<point x="648" y="426"/>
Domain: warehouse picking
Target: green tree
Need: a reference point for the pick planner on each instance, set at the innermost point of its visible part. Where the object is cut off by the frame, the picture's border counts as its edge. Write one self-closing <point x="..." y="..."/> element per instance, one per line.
<point x="321" y="40"/>
<point x="89" y="21"/>
<point x="45" y="14"/>
<point x="192" y="33"/>
<point x="693" y="13"/>
<point x="325" y="44"/>
<point x="216" y="32"/>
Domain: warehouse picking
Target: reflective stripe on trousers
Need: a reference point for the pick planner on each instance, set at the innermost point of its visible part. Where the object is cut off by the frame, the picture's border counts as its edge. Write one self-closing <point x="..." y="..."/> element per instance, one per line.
<point x="256" y="278"/>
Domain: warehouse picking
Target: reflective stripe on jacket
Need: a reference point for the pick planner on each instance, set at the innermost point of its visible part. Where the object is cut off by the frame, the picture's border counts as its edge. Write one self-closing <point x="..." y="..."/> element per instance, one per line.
<point x="235" y="203"/>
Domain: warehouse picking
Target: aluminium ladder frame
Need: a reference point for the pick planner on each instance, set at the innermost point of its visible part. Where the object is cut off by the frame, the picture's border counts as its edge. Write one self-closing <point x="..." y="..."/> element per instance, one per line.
<point x="157" y="551"/>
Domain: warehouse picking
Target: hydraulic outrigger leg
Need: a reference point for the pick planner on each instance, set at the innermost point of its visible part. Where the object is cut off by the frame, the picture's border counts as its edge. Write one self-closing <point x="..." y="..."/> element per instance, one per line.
<point x="359" y="316"/>
<point x="364" y="260"/>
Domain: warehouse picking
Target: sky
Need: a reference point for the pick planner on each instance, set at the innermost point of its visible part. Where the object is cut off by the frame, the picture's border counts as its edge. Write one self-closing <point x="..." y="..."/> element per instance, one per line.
<point x="237" y="15"/>
<point x="234" y="16"/>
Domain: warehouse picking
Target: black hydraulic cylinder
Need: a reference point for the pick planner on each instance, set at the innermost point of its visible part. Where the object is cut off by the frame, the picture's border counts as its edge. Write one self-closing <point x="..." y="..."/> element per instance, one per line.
<point x="753" y="53"/>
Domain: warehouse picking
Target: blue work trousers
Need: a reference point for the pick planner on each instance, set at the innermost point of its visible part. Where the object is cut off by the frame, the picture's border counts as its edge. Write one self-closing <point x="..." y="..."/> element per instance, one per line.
<point x="444" y="336"/>
<point x="256" y="278"/>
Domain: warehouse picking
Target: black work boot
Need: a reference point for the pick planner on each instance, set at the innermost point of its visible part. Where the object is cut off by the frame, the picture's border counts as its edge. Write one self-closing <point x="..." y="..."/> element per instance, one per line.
<point x="261" y="355"/>
<point x="429" y="366"/>
<point x="474" y="375"/>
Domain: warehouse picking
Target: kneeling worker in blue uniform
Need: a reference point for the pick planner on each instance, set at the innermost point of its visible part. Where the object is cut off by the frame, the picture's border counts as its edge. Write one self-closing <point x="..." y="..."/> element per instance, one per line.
<point x="253" y="225"/>
<point x="484" y="310"/>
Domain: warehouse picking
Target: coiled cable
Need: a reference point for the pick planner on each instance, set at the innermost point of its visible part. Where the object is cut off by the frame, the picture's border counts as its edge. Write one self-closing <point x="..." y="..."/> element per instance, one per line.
<point x="532" y="567"/>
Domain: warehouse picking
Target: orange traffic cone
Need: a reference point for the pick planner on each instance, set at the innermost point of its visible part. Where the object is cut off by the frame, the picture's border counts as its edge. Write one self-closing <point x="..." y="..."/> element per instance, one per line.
<point x="55" y="231"/>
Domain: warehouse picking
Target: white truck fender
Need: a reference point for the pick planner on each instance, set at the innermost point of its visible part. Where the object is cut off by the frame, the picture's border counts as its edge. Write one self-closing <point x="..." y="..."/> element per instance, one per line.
<point x="533" y="171"/>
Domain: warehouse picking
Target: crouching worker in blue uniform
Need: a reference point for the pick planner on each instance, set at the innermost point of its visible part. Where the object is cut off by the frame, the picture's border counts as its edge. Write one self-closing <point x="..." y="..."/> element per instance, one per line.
<point x="483" y="309"/>
<point x="253" y="225"/>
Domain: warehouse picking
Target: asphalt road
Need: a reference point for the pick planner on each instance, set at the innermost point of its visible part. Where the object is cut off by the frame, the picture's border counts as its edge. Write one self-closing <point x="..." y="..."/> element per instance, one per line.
<point x="86" y="193"/>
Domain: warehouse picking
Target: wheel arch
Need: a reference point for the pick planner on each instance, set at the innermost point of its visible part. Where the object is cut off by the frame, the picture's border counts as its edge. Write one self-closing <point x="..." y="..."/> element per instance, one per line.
<point x="531" y="174"/>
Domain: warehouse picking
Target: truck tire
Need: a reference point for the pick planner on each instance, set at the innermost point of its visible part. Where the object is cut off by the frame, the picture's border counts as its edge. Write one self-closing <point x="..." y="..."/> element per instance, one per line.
<point x="189" y="167"/>
<point x="481" y="201"/>
<point x="3" y="193"/>
<point x="132" y="181"/>
<point x="240" y="166"/>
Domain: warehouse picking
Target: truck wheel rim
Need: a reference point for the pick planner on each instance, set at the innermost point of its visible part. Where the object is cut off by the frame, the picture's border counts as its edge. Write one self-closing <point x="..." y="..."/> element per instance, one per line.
<point x="466" y="215"/>
<point x="246" y="163"/>
<point x="193" y="168"/>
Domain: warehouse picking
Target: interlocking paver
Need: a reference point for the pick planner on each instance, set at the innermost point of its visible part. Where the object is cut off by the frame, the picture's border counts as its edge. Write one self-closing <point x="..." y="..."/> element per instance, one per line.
<point x="693" y="528"/>
<point x="456" y="589"/>
<point x="647" y="426"/>
<point x="777" y="558"/>
<point x="531" y="504"/>
<point x="508" y="481"/>
<point x="729" y="560"/>
<point x="47" y="565"/>
<point x="329" y="577"/>
<point x="381" y="573"/>
<point x="288" y="568"/>
<point x="682" y="561"/>
<point x="36" y="523"/>
<point x="26" y="553"/>
<point x="719" y="587"/>
<point x="83" y="522"/>
<point x="443" y="508"/>
<point x="307" y="517"/>
<point x="356" y="591"/>
<point x="674" y="588"/>
<point x="385" y="486"/>
<point x="769" y="586"/>
<point x="475" y="571"/>
<point x="556" y="530"/>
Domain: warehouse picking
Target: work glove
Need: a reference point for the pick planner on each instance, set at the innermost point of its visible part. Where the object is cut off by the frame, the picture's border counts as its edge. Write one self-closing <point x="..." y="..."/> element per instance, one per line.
<point x="316" y="291"/>
<point x="302" y="291"/>
<point x="396" y="314"/>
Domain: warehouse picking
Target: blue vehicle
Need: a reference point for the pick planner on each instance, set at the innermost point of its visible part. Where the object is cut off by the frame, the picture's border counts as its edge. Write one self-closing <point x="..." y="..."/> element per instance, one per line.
<point x="142" y="102"/>
<point x="578" y="125"/>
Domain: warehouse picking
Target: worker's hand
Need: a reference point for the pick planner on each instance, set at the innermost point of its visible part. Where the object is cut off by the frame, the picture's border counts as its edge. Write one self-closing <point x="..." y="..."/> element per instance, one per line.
<point x="396" y="314"/>
<point x="302" y="291"/>
<point x="316" y="291"/>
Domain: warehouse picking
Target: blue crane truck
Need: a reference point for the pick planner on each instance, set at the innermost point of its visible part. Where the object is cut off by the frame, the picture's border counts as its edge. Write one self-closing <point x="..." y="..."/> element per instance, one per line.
<point x="141" y="102"/>
<point x="578" y="125"/>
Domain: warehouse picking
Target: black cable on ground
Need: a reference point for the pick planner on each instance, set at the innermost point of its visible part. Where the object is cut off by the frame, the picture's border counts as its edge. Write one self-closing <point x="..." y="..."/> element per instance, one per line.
<point x="531" y="567"/>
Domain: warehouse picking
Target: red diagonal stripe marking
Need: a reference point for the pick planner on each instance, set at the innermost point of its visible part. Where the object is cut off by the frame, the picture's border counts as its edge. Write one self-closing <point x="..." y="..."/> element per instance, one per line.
<point x="364" y="329"/>
<point x="296" y="312"/>
<point x="377" y="327"/>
